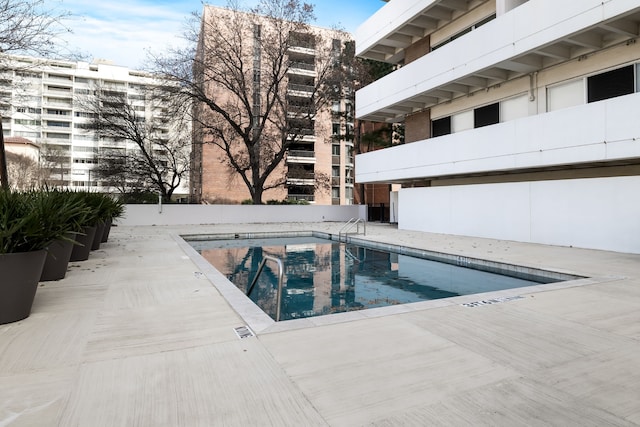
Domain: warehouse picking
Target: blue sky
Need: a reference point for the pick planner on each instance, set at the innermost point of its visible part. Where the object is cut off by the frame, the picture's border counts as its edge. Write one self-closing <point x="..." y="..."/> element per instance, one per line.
<point x="122" y="31"/>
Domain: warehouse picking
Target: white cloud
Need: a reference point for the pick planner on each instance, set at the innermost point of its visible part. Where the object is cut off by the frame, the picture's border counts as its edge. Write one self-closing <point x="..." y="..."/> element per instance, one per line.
<point x="122" y="31"/>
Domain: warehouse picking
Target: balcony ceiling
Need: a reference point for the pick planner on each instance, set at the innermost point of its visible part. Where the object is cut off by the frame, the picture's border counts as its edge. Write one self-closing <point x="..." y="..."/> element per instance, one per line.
<point x="434" y="16"/>
<point x="622" y="29"/>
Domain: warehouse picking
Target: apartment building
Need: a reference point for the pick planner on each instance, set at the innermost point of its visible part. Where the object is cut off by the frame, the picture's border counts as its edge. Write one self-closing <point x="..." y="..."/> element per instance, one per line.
<point x="40" y="100"/>
<point x="521" y="118"/>
<point x="319" y="161"/>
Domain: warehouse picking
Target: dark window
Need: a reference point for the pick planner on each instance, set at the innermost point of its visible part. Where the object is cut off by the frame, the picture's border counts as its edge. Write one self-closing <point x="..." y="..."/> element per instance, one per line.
<point x="441" y="126"/>
<point x="485" y="116"/>
<point x="610" y="84"/>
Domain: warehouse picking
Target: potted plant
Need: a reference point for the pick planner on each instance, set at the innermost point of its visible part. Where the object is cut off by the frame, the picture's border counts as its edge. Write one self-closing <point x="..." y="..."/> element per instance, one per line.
<point x="26" y="228"/>
<point x="115" y="211"/>
<point x="88" y="226"/>
<point x="68" y="212"/>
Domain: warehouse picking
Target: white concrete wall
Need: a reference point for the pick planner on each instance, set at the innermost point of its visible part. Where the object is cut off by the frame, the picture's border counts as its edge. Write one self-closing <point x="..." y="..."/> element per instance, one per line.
<point x="601" y="131"/>
<point x="522" y="30"/>
<point x="236" y="214"/>
<point x="597" y="213"/>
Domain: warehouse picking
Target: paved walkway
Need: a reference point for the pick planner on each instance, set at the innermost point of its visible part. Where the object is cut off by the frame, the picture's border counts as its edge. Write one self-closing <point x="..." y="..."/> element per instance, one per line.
<point x="138" y="336"/>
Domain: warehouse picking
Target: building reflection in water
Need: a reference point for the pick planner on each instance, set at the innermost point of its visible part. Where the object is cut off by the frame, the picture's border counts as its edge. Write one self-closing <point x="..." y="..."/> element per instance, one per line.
<point x="320" y="278"/>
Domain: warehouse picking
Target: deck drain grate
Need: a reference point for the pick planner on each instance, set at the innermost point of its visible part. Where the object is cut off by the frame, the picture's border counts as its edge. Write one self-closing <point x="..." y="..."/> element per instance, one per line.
<point x="243" y="332"/>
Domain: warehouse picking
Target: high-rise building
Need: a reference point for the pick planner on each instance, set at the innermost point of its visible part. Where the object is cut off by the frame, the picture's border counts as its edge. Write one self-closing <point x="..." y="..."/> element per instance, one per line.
<point x="521" y="118"/>
<point x="319" y="153"/>
<point x="40" y="100"/>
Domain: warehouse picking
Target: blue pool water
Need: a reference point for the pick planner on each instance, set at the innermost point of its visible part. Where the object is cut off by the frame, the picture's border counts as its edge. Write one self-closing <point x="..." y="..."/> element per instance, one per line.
<point x="323" y="276"/>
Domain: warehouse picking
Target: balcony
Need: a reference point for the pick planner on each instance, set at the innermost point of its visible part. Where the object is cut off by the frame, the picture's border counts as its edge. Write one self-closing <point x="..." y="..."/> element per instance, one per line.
<point x="400" y="23"/>
<point x="307" y="49"/>
<point x="600" y="133"/>
<point x="302" y="197"/>
<point x="58" y="92"/>
<point x="540" y="33"/>
<point x="300" y="90"/>
<point x="301" y="181"/>
<point x="301" y="156"/>
<point x="303" y="68"/>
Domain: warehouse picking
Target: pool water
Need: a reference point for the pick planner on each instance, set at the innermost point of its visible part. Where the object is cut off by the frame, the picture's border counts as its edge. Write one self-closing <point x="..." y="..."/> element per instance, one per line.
<point x="324" y="277"/>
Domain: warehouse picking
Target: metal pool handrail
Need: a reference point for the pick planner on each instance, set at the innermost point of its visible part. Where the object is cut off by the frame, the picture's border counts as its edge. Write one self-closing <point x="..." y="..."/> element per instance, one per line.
<point x="350" y="224"/>
<point x="280" y="277"/>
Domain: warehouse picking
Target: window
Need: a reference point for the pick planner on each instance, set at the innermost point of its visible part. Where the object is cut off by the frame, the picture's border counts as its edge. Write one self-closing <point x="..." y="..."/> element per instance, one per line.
<point x="58" y="124"/>
<point x="463" y="32"/>
<point x="27" y="122"/>
<point x="57" y="135"/>
<point x="335" y="149"/>
<point x="59" y="77"/>
<point x="487" y="115"/>
<point x="462" y="121"/>
<point x="28" y="134"/>
<point x="57" y="112"/>
<point x="441" y="126"/>
<point x="29" y="110"/>
<point x="610" y="84"/>
<point x="514" y="108"/>
<point x="335" y="129"/>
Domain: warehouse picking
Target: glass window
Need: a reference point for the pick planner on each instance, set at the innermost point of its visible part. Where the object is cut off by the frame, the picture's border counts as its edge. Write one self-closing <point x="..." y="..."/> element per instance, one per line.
<point x="441" y="126"/>
<point x="565" y="95"/>
<point x="487" y="115"/>
<point x="610" y="84"/>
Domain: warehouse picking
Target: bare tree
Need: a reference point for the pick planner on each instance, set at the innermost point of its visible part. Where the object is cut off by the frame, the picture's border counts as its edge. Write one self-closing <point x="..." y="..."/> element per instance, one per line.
<point x="24" y="172"/>
<point x="56" y="164"/>
<point x="238" y="84"/>
<point x="26" y="27"/>
<point x="157" y="158"/>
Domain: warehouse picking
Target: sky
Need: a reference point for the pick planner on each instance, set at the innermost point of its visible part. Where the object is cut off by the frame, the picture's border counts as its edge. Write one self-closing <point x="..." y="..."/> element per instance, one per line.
<point x="123" y="31"/>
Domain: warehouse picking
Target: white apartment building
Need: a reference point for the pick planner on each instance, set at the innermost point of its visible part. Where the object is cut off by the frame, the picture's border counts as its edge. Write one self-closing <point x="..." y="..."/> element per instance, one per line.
<point x="522" y="118"/>
<point x="39" y="101"/>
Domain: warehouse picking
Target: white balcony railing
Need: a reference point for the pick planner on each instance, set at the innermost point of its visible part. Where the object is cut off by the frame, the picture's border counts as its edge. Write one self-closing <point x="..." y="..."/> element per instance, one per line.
<point x="598" y="132"/>
<point x="525" y="40"/>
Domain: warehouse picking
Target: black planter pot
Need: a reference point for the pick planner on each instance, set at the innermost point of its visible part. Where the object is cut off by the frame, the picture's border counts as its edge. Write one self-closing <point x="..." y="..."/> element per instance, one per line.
<point x="97" y="238"/>
<point x="107" y="229"/>
<point x="81" y="251"/>
<point x="20" y="273"/>
<point x="57" y="261"/>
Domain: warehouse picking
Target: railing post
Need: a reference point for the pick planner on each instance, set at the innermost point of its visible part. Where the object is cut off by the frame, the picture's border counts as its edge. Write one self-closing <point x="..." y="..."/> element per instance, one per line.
<point x="278" y="261"/>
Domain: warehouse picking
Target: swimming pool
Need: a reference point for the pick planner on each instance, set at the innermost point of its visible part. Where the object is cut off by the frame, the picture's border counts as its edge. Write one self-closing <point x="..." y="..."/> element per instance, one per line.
<point x="323" y="276"/>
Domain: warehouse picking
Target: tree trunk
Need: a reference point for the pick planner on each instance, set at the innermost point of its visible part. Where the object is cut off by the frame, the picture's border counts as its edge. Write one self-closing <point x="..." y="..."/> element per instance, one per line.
<point x="257" y="194"/>
<point x="4" y="175"/>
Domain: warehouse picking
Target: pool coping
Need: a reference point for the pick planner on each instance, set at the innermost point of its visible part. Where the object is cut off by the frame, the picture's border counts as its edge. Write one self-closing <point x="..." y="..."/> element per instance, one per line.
<point x="261" y="323"/>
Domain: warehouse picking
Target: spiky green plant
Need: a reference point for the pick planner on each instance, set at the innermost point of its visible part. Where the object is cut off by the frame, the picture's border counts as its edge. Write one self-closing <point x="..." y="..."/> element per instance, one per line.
<point x="31" y="220"/>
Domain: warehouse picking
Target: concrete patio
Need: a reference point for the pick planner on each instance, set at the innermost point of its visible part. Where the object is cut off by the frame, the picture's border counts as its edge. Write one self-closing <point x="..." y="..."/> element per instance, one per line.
<point x="138" y="336"/>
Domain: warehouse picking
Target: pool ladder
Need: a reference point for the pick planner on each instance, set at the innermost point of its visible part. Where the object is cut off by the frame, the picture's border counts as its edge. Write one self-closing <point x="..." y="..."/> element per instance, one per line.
<point x="278" y="261"/>
<point x="353" y="222"/>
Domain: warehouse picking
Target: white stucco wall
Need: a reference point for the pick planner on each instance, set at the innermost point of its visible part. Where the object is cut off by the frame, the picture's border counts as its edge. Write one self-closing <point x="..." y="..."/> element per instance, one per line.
<point x="597" y="213"/>
<point x="237" y="214"/>
<point x="523" y="30"/>
<point x="600" y="131"/>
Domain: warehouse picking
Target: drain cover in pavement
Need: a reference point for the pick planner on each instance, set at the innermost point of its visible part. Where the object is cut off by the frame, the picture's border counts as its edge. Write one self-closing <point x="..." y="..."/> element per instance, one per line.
<point x="243" y="332"/>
